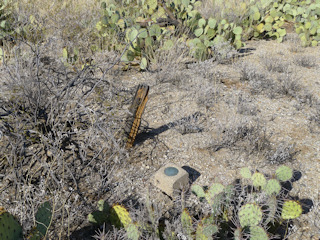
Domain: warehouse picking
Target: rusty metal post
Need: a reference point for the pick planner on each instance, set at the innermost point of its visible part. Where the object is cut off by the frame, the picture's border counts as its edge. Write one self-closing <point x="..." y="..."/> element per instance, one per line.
<point x="136" y="109"/>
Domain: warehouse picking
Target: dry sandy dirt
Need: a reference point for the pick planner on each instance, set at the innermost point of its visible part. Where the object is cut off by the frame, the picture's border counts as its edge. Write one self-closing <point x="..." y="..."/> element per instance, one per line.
<point x="208" y="116"/>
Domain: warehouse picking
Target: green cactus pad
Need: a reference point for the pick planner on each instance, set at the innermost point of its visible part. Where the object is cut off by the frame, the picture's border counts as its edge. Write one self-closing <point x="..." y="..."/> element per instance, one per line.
<point x="186" y="222"/>
<point x="208" y="220"/>
<point x="212" y="23"/>
<point x="198" y="190"/>
<point x="205" y="232"/>
<point x="43" y="218"/>
<point x="258" y="179"/>
<point x="9" y="227"/>
<point x="272" y="187"/>
<point x="215" y="189"/>
<point x="103" y="206"/>
<point x="98" y="217"/>
<point x="133" y="232"/>
<point x="258" y="233"/>
<point x="119" y="216"/>
<point x="237" y="30"/>
<point x="291" y="209"/>
<point x="237" y="234"/>
<point x="245" y="172"/>
<point x="101" y="216"/>
<point x="216" y="204"/>
<point x="284" y="173"/>
<point x="250" y="215"/>
<point x="206" y="228"/>
<point x="229" y="192"/>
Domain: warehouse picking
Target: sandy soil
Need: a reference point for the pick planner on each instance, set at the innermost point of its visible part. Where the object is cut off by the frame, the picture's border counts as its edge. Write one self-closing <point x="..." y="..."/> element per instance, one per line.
<point x="192" y="112"/>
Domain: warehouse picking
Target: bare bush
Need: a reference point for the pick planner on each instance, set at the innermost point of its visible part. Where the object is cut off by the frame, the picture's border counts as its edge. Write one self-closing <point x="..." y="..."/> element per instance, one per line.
<point x="274" y="63"/>
<point x="209" y="94"/>
<point x="62" y="137"/>
<point x="241" y="133"/>
<point x="287" y="85"/>
<point x="282" y="154"/>
<point x="316" y="116"/>
<point x="164" y="61"/>
<point x="223" y="51"/>
<point x="246" y="106"/>
<point x="250" y="71"/>
<point x="305" y="61"/>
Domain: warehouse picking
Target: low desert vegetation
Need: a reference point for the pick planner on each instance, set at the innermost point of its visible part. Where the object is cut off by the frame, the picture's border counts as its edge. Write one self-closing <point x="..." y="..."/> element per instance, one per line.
<point x="64" y="169"/>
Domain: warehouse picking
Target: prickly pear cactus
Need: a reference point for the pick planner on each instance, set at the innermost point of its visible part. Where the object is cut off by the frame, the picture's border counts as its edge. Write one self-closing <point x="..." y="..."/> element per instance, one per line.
<point x="215" y="189"/>
<point x="258" y="179"/>
<point x="271" y="204"/>
<point x="206" y="228"/>
<point x="187" y="223"/>
<point x="291" y="209"/>
<point x="237" y="234"/>
<point x="100" y="216"/>
<point x="258" y="233"/>
<point x="119" y="216"/>
<point x="245" y="172"/>
<point x="272" y="187"/>
<point x="103" y="206"/>
<point x="198" y="190"/>
<point x="250" y="214"/>
<point x="43" y="218"/>
<point x="9" y="226"/>
<point x="133" y="232"/>
<point x="284" y="173"/>
<point x="213" y="192"/>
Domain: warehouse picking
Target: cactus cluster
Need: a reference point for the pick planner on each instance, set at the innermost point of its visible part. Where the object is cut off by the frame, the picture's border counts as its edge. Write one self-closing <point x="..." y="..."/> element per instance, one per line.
<point x="254" y="212"/>
<point x="255" y="208"/>
<point x="10" y="227"/>
<point x="146" y="25"/>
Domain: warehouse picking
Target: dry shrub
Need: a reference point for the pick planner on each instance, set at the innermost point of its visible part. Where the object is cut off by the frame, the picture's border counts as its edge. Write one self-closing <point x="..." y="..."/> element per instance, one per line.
<point x="61" y="137"/>
<point x="169" y="63"/>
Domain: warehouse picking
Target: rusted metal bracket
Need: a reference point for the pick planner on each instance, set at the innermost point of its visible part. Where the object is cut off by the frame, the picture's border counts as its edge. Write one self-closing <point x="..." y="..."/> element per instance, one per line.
<point x="136" y="109"/>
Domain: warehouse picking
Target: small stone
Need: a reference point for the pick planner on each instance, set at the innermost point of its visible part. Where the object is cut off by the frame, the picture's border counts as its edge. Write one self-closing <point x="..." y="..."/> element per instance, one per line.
<point x="170" y="178"/>
<point x="49" y="153"/>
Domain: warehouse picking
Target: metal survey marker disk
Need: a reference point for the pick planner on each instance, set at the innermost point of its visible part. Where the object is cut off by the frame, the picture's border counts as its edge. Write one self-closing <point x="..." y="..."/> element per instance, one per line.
<point x="136" y="109"/>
